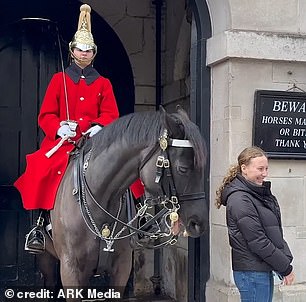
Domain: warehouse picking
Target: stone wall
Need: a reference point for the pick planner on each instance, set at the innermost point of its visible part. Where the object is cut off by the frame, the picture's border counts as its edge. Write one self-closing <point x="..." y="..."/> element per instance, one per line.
<point x="134" y="23"/>
<point x="260" y="45"/>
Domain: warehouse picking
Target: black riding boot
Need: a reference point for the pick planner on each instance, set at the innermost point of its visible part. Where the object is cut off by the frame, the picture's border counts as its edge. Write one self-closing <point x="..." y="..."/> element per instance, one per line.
<point x="35" y="242"/>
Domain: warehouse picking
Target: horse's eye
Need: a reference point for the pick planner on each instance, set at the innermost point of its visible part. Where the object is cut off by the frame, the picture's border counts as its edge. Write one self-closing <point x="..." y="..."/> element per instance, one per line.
<point x="182" y="169"/>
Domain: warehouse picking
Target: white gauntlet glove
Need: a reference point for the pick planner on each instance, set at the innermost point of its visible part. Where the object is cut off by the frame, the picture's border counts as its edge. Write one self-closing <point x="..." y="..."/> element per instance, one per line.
<point x="65" y="130"/>
<point x="93" y="130"/>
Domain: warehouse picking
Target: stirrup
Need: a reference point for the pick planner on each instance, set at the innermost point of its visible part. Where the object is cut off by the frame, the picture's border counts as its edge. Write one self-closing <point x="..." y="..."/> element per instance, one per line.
<point x="38" y="244"/>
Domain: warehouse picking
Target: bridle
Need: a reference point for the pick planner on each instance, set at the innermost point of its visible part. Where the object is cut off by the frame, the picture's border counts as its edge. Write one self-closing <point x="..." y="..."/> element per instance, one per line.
<point x="167" y="201"/>
<point x="163" y="168"/>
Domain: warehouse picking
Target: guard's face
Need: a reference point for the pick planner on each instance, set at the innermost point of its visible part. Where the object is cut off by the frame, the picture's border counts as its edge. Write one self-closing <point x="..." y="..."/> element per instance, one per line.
<point x="84" y="57"/>
<point x="256" y="171"/>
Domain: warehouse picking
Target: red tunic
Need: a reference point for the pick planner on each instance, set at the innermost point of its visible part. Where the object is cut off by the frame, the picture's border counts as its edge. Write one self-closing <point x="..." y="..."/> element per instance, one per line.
<point x="88" y="104"/>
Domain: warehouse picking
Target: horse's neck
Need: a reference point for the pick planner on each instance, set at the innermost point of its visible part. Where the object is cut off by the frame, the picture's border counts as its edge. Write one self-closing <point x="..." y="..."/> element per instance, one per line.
<point x="113" y="170"/>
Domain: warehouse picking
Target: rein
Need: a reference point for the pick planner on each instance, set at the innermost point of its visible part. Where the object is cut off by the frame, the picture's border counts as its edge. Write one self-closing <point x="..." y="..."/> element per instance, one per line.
<point x="104" y="234"/>
<point x="167" y="199"/>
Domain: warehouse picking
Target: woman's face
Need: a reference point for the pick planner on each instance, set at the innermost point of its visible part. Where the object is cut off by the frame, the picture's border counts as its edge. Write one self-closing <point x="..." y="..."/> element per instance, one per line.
<point x="83" y="57"/>
<point x="256" y="171"/>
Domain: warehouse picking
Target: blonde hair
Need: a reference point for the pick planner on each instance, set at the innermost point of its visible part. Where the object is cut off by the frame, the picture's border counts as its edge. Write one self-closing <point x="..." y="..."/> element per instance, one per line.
<point x="244" y="158"/>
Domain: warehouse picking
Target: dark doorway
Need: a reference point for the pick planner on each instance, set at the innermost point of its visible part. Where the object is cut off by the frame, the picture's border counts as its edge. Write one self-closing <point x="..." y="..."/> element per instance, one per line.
<point x="28" y="60"/>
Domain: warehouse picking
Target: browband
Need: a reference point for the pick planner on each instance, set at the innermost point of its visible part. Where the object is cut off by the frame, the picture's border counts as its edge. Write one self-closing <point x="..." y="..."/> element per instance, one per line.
<point x="180" y="143"/>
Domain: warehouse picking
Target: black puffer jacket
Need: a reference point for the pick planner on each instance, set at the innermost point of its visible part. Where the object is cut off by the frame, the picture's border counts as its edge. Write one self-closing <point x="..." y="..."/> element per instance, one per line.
<point x="254" y="226"/>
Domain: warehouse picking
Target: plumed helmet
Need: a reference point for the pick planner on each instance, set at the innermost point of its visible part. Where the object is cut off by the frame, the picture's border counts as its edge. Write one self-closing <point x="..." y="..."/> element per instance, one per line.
<point x="83" y="38"/>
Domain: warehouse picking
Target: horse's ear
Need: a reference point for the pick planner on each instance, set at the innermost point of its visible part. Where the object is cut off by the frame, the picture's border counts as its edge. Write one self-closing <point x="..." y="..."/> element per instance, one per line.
<point x="162" y="109"/>
<point x="172" y="123"/>
<point x="182" y="112"/>
<point x="164" y="115"/>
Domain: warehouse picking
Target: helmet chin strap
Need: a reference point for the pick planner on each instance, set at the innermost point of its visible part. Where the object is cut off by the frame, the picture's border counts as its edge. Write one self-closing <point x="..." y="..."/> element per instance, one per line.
<point x="82" y="60"/>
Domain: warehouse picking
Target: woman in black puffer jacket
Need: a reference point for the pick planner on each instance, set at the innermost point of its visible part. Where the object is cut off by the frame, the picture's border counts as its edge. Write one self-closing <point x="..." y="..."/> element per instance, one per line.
<point x="254" y="226"/>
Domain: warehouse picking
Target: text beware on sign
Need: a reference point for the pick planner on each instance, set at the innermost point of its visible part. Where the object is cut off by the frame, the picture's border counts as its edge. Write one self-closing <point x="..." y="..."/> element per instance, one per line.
<point x="280" y="123"/>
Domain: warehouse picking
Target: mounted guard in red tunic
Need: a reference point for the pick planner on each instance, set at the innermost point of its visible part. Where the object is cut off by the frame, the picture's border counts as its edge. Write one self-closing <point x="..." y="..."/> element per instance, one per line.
<point x="77" y="101"/>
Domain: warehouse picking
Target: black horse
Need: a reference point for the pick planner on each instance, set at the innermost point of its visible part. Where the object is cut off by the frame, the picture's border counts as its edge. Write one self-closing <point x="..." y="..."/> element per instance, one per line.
<point x="90" y="225"/>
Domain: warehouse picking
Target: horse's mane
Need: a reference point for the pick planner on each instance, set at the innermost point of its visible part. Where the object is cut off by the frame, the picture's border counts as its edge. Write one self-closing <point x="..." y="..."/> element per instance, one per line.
<point x="136" y="128"/>
<point x="145" y="128"/>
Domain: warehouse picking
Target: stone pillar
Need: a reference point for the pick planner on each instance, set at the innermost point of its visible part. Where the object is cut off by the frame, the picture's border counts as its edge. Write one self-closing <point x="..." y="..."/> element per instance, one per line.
<point x="241" y="62"/>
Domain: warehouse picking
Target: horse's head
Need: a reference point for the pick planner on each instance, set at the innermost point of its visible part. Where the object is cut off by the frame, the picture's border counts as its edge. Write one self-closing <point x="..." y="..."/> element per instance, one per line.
<point x="174" y="175"/>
